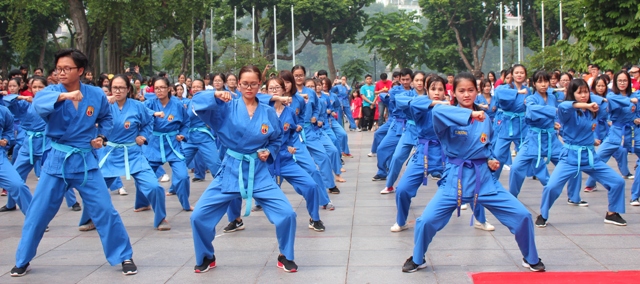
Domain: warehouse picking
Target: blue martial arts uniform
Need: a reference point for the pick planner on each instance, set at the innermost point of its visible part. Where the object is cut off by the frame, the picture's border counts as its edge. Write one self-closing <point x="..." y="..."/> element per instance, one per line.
<point x="72" y="162"/>
<point x="341" y="135"/>
<point x="541" y="142"/>
<point x="467" y="179"/>
<point x="408" y="139"/>
<point x="164" y="147"/>
<point x="578" y="154"/>
<point x="9" y="179"/>
<point x="512" y="125"/>
<point x="124" y="157"/>
<point x="332" y="151"/>
<point x="343" y="95"/>
<point x="201" y="142"/>
<point x="242" y="173"/>
<point x="397" y="123"/>
<point x="382" y="130"/>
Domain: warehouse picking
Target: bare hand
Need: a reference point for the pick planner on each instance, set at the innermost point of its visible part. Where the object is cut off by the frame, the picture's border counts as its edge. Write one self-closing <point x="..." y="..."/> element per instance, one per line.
<point x="484" y="106"/>
<point x="291" y="150"/>
<point x="636" y="121"/>
<point x="493" y="164"/>
<point x="593" y="107"/>
<point x="597" y="142"/>
<point x="26" y="98"/>
<point x="305" y="96"/>
<point x="634" y="100"/>
<point x="263" y="156"/>
<point x="522" y="91"/>
<point x="557" y="126"/>
<point x="140" y="140"/>
<point x="179" y="138"/>
<point x="73" y="96"/>
<point x="328" y="111"/>
<point x="299" y="128"/>
<point x="313" y="120"/>
<point x="159" y="114"/>
<point x="559" y="90"/>
<point x="111" y="99"/>
<point x="478" y="115"/>
<point x="3" y="142"/>
<point x="320" y="124"/>
<point x="97" y="143"/>
<point x="223" y="96"/>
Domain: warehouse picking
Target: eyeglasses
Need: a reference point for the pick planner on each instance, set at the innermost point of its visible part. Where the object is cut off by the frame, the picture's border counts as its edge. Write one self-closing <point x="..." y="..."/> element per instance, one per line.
<point x="161" y="88"/>
<point x="65" y="69"/>
<point x="275" y="89"/>
<point x="118" y="89"/>
<point x="218" y="81"/>
<point x="623" y="81"/>
<point x="249" y="86"/>
<point x="298" y="76"/>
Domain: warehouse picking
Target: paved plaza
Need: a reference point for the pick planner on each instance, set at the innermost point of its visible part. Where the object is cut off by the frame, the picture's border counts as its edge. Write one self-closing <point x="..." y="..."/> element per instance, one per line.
<point x="357" y="246"/>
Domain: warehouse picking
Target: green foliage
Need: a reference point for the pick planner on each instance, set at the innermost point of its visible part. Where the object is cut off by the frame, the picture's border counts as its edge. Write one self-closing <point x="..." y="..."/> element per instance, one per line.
<point x="244" y="56"/>
<point x="459" y="26"/>
<point x="396" y="37"/>
<point x="355" y="69"/>
<point x="610" y="28"/>
<point x="550" y="59"/>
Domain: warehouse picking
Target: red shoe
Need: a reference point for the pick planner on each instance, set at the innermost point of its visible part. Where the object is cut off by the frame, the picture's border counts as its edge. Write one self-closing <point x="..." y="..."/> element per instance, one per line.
<point x="4" y="192"/>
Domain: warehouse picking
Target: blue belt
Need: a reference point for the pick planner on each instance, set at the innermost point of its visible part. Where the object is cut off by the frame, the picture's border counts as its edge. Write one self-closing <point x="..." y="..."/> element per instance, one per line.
<point x="475" y="163"/>
<point x="633" y="133"/>
<point x="70" y="151"/>
<point x="203" y="130"/>
<point x="246" y="193"/>
<point x="425" y="156"/>
<point x="550" y="132"/>
<point x="511" y="116"/>
<point x="30" y="135"/>
<point x="579" y="149"/>
<point x="166" y="136"/>
<point x="126" y="146"/>
<point x="411" y="122"/>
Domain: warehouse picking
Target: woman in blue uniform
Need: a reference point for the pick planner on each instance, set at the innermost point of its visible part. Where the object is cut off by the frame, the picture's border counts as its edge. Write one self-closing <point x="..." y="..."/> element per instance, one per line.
<point x="334" y="106"/>
<point x="123" y="156"/>
<point x="164" y="143"/>
<point x="72" y="110"/>
<point x="465" y="135"/>
<point x="577" y="115"/>
<point x="541" y="140"/>
<point x="9" y="177"/>
<point x="252" y="134"/>
<point x="512" y="125"/>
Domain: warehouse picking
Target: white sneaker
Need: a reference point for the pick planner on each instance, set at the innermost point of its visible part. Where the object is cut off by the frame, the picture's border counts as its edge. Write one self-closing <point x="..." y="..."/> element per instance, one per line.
<point x="635" y="202"/>
<point x="483" y="226"/>
<point x="122" y="191"/>
<point x="372" y="155"/>
<point x="397" y="228"/>
<point x="464" y="206"/>
<point x="506" y="168"/>
<point x="388" y="190"/>
<point x="165" y="178"/>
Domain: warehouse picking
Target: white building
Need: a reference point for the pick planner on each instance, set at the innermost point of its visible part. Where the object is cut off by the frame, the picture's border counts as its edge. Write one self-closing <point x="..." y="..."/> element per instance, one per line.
<point x="408" y="5"/>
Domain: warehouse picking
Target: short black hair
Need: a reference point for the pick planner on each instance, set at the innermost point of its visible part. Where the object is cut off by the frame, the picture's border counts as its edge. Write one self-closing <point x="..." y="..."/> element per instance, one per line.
<point x="405" y="72"/>
<point x="571" y="70"/>
<point x="24" y="67"/>
<point x="383" y="76"/>
<point x="367" y="76"/>
<point x="162" y="74"/>
<point x="322" y="72"/>
<point x="595" y="66"/>
<point x="38" y="69"/>
<point x="14" y="72"/>
<point x="396" y="74"/>
<point x="79" y="59"/>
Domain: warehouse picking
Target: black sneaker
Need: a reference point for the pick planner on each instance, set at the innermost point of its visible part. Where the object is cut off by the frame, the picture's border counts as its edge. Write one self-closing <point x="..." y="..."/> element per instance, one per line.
<point x="5" y="209"/>
<point x="129" y="268"/>
<point x="615" y="219"/>
<point x="234" y="226"/>
<point x="342" y="161"/>
<point x="206" y="265"/>
<point x="76" y="207"/>
<point x="287" y="265"/>
<point x="541" y="222"/>
<point x="19" y="272"/>
<point x="410" y="266"/>
<point x="378" y="177"/>
<point x="538" y="267"/>
<point x="317" y="226"/>
<point x="582" y="203"/>
<point x="197" y="180"/>
<point x="334" y="190"/>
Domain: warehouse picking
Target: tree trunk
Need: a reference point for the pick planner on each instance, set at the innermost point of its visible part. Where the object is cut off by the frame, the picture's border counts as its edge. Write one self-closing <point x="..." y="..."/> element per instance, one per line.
<point x="79" y="18"/>
<point x="114" y="47"/>
<point x="45" y="33"/>
<point x="332" y="67"/>
<point x="186" y="56"/>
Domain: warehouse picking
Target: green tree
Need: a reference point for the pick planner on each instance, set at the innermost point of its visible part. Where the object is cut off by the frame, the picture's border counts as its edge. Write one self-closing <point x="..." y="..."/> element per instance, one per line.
<point x="462" y="26"/>
<point x="333" y="22"/>
<point x="396" y="37"/>
<point x="355" y="69"/>
<point x="607" y="34"/>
